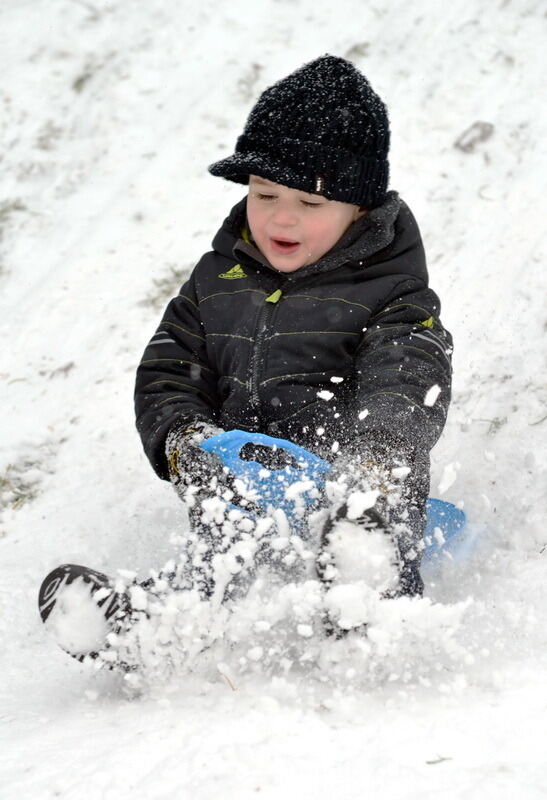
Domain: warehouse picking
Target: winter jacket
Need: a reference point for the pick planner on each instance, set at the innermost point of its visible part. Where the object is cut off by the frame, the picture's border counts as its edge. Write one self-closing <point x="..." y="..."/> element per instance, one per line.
<point x="347" y="349"/>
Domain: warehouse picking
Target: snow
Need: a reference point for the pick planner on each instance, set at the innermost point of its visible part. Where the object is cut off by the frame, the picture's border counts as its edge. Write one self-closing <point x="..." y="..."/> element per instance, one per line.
<point x="432" y="395"/>
<point x="370" y="558"/>
<point x="110" y="113"/>
<point x="358" y="502"/>
<point x="76" y="623"/>
<point x="449" y="477"/>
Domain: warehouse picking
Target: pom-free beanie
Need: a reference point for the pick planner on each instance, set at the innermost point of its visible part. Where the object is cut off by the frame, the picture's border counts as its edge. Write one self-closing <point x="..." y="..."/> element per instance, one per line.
<point x="322" y="130"/>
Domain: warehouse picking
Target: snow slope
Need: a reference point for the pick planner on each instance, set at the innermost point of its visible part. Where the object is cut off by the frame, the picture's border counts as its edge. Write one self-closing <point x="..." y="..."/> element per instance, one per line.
<point x="110" y="112"/>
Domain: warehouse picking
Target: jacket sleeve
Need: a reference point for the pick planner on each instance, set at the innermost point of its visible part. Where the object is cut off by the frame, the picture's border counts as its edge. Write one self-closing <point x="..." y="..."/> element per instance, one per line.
<point x="174" y="380"/>
<point x="403" y="370"/>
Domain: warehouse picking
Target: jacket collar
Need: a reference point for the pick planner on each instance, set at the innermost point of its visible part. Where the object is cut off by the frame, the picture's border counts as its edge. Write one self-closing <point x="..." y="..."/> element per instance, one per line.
<point x="368" y="235"/>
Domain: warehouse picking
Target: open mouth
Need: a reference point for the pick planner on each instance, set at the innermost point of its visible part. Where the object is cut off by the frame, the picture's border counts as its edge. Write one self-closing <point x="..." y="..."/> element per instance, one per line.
<point x="284" y="245"/>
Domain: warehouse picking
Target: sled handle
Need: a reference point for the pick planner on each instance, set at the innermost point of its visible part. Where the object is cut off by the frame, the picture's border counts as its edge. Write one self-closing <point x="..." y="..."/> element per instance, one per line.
<point x="239" y="450"/>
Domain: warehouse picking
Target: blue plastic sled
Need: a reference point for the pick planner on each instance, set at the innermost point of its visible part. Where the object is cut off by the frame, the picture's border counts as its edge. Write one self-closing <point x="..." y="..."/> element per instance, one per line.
<point x="284" y="475"/>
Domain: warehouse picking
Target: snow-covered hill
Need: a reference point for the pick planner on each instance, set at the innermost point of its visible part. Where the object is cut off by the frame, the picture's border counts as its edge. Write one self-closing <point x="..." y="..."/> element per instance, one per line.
<point x="109" y="115"/>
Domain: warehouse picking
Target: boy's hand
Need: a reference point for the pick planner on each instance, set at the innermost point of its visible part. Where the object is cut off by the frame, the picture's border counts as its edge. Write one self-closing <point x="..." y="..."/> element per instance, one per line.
<point x="188" y="464"/>
<point x="381" y="462"/>
<point x="195" y="472"/>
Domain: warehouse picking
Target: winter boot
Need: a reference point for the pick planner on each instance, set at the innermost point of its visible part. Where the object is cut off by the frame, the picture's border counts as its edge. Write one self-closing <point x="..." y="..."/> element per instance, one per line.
<point x="358" y="558"/>
<point x="81" y="607"/>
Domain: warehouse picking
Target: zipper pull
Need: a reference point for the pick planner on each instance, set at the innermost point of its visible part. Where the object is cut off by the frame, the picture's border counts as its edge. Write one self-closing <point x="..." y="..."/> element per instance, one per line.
<point x="275" y="296"/>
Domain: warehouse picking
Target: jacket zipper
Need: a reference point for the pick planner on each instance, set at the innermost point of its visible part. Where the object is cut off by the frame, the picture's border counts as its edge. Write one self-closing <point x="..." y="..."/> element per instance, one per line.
<point x="264" y="318"/>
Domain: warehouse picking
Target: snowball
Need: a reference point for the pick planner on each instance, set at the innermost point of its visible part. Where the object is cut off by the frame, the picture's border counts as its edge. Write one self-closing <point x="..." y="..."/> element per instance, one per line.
<point x="359" y="502"/>
<point x="263" y="526"/>
<point x="449" y="476"/>
<point x="298" y="488"/>
<point x="431" y="395"/>
<point x="281" y="522"/>
<point x="438" y="536"/>
<point x="255" y="653"/>
<point x="325" y="395"/>
<point x="139" y="598"/>
<point x="348" y="604"/>
<point x="279" y="543"/>
<point x="128" y="575"/>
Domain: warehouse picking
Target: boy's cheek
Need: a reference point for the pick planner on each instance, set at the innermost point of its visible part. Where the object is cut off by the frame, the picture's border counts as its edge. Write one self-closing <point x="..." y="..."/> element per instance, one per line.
<point x="254" y="220"/>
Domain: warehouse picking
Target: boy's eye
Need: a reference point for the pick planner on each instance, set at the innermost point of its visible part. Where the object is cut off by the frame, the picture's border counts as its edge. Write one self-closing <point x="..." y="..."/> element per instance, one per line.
<point x="273" y="197"/>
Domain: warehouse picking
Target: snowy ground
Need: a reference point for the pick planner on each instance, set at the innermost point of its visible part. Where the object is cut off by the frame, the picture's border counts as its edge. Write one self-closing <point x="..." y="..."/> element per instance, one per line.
<point x="110" y="112"/>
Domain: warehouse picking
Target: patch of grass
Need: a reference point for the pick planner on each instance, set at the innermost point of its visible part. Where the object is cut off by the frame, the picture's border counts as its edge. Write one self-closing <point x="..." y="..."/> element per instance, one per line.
<point x="357" y="51"/>
<point x="246" y="84"/>
<point x="495" y="424"/>
<point x="64" y="370"/>
<point x="473" y="136"/>
<point x="48" y="136"/>
<point x="18" y="485"/>
<point x="165" y="287"/>
<point x="7" y="209"/>
<point x="79" y="83"/>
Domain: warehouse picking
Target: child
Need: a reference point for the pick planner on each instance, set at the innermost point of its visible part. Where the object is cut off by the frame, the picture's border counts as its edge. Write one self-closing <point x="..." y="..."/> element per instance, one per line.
<point x="311" y="320"/>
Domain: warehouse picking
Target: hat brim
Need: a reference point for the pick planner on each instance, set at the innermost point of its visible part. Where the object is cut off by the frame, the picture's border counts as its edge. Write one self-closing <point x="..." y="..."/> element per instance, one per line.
<point x="240" y="166"/>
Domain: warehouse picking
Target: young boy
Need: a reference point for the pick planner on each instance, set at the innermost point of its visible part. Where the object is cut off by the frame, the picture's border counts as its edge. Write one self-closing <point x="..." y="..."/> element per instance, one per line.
<point x="310" y="320"/>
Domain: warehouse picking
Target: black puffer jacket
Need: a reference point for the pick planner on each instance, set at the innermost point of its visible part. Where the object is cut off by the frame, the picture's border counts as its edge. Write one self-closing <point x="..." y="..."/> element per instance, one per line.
<point x="344" y="348"/>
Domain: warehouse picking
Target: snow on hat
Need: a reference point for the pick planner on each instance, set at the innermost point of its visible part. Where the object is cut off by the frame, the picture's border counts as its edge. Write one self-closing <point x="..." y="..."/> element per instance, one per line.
<point x="322" y="130"/>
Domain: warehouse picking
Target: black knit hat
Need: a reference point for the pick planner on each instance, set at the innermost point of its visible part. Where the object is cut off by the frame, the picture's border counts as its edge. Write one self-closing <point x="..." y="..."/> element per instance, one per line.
<point x="322" y="130"/>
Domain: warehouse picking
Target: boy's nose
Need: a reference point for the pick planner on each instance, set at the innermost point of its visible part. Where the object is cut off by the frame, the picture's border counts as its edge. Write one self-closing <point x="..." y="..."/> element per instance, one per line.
<point x="284" y="216"/>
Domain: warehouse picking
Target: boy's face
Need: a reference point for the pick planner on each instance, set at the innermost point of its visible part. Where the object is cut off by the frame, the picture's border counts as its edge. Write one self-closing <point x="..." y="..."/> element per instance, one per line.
<point x="292" y="228"/>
